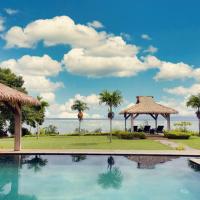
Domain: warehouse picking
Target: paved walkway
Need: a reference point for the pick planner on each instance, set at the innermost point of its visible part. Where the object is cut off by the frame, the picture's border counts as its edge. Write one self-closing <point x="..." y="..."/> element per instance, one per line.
<point x="104" y="152"/>
<point x="174" y="145"/>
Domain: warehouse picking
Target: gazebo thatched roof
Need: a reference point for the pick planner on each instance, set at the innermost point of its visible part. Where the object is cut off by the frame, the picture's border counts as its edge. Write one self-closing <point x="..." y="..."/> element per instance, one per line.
<point x="147" y="105"/>
<point x="13" y="96"/>
<point x="149" y="162"/>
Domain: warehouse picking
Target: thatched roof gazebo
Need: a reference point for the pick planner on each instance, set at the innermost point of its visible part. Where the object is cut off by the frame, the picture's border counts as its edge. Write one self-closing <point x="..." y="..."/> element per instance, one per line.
<point x="147" y="105"/>
<point x="14" y="99"/>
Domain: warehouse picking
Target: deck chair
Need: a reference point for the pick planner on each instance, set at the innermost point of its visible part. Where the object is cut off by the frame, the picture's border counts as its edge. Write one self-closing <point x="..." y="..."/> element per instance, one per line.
<point x="160" y="129"/>
<point x="147" y="129"/>
<point x="135" y="128"/>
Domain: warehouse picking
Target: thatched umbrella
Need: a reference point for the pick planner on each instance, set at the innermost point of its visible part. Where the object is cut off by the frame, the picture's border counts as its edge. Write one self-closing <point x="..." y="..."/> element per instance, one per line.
<point x="147" y="105"/>
<point x="14" y="99"/>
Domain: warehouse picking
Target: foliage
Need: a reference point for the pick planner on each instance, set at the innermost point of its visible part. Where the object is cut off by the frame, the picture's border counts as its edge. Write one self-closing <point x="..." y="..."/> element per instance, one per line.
<point x="98" y="130"/>
<point x="177" y="135"/>
<point x="51" y="130"/>
<point x="80" y="106"/>
<point x="111" y="99"/>
<point x="82" y="130"/>
<point x="182" y="126"/>
<point x="194" y="101"/>
<point x="111" y="179"/>
<point x="25" y="131"/>
<point x="128" y="135"/>
<point x="30" y="114"/>
<point x="180" y="147"/>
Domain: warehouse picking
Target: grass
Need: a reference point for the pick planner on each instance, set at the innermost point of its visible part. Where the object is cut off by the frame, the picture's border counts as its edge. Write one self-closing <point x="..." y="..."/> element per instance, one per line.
<point x="83" y="142"/>
<point x="193" y="142"/>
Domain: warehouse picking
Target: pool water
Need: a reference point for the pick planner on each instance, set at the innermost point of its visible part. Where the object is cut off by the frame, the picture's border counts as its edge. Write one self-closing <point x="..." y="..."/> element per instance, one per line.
<point x="80" y="177"/>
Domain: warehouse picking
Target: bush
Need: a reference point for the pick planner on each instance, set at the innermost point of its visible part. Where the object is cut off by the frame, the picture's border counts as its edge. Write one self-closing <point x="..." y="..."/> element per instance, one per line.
<point x="180" y="147"/>
<point x="51" y="130"/>
<point x="177" y="135"/>
<point x="25" y="131"/>
<point x="182" y="126"/>
<point x="128" y="135"/>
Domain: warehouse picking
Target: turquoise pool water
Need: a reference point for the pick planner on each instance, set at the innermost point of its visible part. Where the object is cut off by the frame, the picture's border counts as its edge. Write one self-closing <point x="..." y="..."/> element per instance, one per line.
<point x="66" y="177"/>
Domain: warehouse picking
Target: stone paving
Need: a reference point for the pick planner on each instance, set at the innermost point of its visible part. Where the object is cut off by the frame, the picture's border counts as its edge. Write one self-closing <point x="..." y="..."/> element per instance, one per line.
<point x="174" y="145"/>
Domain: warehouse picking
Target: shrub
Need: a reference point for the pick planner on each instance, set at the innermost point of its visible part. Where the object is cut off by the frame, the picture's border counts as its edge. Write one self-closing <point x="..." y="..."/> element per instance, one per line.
<point x="182" y="126"/>
<point x="25" y="131"/>
<point x="180" y="147"/>
<point x="98" y="130"/>
<point x="128" y="135"/>
<point x="177" y="135"/>
<point x="51" y="130"/>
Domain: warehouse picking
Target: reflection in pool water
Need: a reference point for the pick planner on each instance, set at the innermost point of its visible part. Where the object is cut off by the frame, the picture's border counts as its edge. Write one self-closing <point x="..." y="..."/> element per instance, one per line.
<point x="80" y="177"/>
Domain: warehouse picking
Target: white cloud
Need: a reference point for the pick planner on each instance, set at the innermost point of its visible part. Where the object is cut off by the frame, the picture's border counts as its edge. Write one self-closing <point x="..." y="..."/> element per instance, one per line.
<point x="11" y="11"/>
<point x="180" y="106"/>
<point x="33" y="65"/>
<point x="180" y="90"/>
<point x="48" y="96"/>
<point x="78" y="62"/>
<point x="151" y="49"/>
<point x="64" y="110"/>
<point x="58" y="30"/>
<point x="35" y="71"/>
<point x="95" y="24"/>
<point x="145" y="37"/>
<point x="169" y="70"/>
<point x="2" y="24"/>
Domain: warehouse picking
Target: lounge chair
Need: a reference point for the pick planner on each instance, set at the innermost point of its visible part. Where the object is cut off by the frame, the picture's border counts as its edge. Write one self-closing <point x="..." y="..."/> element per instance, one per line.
<point x="147" y="129"/>
<point x="135" y="128"/>
<point x="160" y="129"/>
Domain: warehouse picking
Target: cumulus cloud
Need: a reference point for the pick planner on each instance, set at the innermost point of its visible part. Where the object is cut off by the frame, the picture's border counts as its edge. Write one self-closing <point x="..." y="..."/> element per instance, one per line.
<point x="64" y="110"/>
<point x="95" y="24"/>
<point x="58" y="30"/>
<point x="169" y="70"/>
<point x="11" y="11"/>
<point x="77" y="61"/>
<point x="35" y="71"/>
<point x="145" y="37"/>
<point x="180" y="90"/>
<point x="2" y="24"/>
<point x="151" y="49"/>
<point x="180" y="106"/>
<point x="48" y="96"/>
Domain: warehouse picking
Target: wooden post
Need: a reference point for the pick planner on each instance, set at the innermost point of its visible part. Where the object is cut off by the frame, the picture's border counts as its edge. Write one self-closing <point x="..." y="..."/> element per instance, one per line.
<point x="132" y="123"/>
<point x="18" y="127"/>
<point x="168" y="122"/>
<point x="124" y="121"/>
<point x="156" y="121"/>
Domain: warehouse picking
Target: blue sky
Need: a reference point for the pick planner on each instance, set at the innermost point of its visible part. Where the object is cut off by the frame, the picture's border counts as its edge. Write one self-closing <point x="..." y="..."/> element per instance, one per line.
<point x="139" y="47"/>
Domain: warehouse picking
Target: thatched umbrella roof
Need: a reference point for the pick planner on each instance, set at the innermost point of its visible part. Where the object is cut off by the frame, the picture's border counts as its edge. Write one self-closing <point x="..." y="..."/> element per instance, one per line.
<point x="13" y="96"/>
<point x="147" y="105"/>
<point x="149" y="162"/>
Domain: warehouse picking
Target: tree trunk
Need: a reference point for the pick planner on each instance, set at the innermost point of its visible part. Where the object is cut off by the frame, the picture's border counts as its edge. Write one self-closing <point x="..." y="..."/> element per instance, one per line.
<point x="79" y="128"/>
<point x="37" y="131"/>
<point x="199" y="126"/>
<point x="110" y="130"/>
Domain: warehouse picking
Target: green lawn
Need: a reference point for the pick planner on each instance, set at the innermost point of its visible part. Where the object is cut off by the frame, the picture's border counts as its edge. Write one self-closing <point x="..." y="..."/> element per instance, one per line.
<point x="83" y="142"/>
<point x="193" y="142"/>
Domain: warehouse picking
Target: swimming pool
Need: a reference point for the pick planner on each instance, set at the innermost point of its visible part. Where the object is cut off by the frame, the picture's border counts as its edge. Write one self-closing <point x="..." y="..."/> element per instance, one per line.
<point x="81" y="177"/>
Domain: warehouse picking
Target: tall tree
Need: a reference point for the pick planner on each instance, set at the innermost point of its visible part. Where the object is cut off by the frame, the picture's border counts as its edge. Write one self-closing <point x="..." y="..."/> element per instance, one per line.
<point x="80" y="106"/>
<point x="194" y="102"/>
<point x="111" y="99"/>
<point x="31" y="115"/>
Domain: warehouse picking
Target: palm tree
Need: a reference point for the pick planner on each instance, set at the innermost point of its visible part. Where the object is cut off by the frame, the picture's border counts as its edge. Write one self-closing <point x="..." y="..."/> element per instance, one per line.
<point x="111" y="99"/>
<point x="80" y="106"/>
<point x="194" y="102"/>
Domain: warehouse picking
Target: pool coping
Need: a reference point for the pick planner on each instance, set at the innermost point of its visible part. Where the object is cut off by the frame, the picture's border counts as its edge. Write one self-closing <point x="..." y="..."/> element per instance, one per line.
<point x="101" y="152"/>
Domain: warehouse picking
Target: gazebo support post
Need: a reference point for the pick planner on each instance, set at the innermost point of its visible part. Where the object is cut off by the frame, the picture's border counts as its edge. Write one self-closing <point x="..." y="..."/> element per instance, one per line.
<point x="168" y="122"/>
<point x="132" y="123"/>
<point x="155" y="117"/>
<point x="18" y="127"/>
<point x="125" y="118"/>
